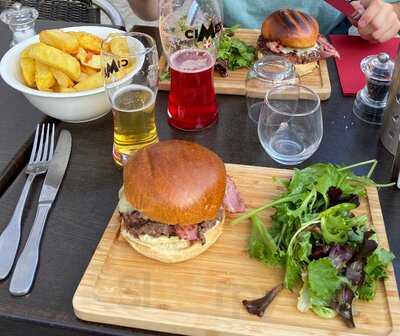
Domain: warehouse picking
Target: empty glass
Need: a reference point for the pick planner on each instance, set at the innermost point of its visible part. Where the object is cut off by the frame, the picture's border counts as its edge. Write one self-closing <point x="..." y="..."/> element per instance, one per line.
<point x="267" y="72"/>
<point x="290" y="123"/>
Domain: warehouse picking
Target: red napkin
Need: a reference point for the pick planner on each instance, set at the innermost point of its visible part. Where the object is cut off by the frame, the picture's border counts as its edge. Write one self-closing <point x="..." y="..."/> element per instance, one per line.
<point x="352" y="50"/>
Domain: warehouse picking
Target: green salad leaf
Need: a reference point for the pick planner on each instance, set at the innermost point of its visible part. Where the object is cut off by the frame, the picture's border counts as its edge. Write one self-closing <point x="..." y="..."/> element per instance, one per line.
<point x="336" y="228"/>
<point x="323" y="280"/>
<point x="367" y="290"/>
<point x="323" y="311"/>
<point x="303" y="248"/>
<point x="374" y="269"/>
<point x="304" y="299"/>
<point x="165" y="75"/>
<point x="292" y="274"/>
<point x="262" y="246"/>
<point x="377" y="263"/>
<point x="237" y="53"/>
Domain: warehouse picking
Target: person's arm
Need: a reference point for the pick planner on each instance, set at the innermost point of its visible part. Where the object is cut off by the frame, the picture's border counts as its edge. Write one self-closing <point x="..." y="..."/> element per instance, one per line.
<point x="380" y="21"/>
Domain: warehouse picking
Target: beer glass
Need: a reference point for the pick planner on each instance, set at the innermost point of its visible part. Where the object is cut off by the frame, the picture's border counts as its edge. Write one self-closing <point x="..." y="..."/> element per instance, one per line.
<point x="190" y="32"/>
<point x="130" y="68"/>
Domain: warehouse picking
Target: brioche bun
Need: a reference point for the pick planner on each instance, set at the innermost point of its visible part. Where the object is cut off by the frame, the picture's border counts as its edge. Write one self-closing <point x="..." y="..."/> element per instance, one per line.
<point x="173" y="251"/>
<point x="292" y="28"/>
<point x="175" y="182"/>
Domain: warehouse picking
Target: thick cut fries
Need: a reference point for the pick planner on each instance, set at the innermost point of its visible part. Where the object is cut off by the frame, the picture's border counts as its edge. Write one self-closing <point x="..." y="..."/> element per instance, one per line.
<point x="62" y="79"/>
<point x="93" y="61"/>
<point x="106" y="47"/>
<point x="88" y="41"/>
<point x="88" y="59"/>
<point x="92" y="82"/>
<point x="28" y="71"/>
<point x="83" y="76"/>
<point x="88" y="70"/>
<point x="25" y="52"/>
<point x="119" y="46"/>
<point x="70" y="61"/>
<point x="56" y="59"/>
<point x="43" y="76"/>
<point x="60" y="40"/>
<point x="81" y="54"/>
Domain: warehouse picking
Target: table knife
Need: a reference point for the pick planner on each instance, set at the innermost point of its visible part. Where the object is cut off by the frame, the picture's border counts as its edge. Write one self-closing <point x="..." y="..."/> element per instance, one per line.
<point x="346" y="8"/>
<point x="24" y="272"/>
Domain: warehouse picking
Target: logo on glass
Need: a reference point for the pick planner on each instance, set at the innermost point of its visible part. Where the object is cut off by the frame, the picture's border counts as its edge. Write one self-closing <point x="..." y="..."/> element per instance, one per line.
<point x="204" y="33"/>
<point x="114" y="66"/>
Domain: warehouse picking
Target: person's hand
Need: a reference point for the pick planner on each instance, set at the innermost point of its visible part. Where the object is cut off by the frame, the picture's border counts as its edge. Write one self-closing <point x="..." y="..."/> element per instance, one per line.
<point x="379" y="22"/>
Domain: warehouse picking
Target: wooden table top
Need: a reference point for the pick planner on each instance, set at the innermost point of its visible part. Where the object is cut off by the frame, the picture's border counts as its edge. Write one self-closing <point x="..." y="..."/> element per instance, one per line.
<point x="88" y="196"/>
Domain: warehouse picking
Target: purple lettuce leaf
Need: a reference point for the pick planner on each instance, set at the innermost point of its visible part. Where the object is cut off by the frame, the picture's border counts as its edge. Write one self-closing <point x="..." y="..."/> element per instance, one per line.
<point x="343" y="306"/>
<point x="340" y="255"/>
<point x="258" y="306"/>
<point x="336" y="197"/>
<point x="319" y="251"/>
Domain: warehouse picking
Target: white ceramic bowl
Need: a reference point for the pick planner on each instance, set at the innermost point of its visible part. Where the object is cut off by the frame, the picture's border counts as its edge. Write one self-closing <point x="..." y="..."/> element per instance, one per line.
<point x="71" y="107"/>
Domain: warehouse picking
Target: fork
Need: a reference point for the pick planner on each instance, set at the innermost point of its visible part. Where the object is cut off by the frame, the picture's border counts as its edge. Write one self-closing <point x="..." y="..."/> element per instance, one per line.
<point x="41" y="154"/>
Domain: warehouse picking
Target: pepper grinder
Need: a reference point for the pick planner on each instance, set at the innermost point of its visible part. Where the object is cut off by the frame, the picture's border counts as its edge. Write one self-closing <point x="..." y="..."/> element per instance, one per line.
<point x="21" y="21"/>
<point x="371" y="100"/>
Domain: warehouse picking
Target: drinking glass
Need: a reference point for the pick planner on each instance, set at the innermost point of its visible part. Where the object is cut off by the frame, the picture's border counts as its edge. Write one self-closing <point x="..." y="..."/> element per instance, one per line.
<point x="190" y="32"/>
<point x="130" y="68"/>
<point x="290" y="124"/>
<point x="267" y="72"/>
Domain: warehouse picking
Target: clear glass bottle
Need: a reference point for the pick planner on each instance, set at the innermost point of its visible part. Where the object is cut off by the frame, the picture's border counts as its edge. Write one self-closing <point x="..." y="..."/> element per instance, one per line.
<point x="21" y="20"/>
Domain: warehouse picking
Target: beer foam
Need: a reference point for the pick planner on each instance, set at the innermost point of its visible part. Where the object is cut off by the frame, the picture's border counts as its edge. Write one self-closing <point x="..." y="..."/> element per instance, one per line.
<point x="191" y="60"/>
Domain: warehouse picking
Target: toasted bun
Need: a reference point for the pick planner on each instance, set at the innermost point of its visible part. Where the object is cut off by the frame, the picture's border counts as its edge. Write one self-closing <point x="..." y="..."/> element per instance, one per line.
<point x="175" y="182"/>
<point x="173" y="254"/>
<point x="293" y="29"/>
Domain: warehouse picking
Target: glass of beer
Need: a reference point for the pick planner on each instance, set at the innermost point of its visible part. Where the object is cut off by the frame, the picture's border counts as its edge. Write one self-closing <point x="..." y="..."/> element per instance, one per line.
<point x="190" y="32"/>
<point x="130" y="68"/>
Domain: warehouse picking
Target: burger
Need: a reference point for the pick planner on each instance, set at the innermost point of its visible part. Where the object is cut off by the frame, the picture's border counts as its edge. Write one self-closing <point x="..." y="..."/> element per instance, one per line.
<point x="171" y="203"/>
<point x="295" y="36"/>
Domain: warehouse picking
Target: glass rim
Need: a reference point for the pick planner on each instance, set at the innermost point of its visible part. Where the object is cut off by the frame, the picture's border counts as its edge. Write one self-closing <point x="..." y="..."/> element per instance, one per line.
<point x="313" y="93"/>
<point x="144" y="51"/>
<point x="266" y="76"/>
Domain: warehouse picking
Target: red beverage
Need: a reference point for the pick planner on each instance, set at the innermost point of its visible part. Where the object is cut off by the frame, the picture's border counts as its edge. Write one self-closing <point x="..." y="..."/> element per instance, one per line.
<point x="192" y="102"/>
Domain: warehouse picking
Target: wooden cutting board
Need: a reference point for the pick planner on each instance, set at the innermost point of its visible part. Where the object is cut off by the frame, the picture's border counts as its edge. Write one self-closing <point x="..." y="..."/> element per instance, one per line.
<point x="203" y="296"/>
<point x="235" y="83"/>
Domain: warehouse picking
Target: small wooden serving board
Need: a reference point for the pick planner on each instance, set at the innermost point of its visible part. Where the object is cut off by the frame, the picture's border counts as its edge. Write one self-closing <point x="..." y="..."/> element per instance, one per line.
<point x="203" y="296"/>
<point x="235" y="83"/>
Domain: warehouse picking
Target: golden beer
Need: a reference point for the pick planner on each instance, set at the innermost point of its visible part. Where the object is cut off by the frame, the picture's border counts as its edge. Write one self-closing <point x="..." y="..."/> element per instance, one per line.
<point x="133" y="108"/>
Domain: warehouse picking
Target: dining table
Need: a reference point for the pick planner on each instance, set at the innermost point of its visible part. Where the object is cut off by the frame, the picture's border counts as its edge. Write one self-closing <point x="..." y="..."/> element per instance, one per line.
<point x="89" y="192"/>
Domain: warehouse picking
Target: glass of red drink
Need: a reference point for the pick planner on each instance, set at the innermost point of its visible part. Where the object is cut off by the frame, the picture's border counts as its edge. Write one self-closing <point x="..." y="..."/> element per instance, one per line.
<point x="190" y="31"/>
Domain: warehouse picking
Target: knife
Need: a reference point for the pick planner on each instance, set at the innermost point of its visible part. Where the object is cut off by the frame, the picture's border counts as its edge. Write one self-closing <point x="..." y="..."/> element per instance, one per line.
<point x="346" y="8"/>
<point x="24" y="272"/>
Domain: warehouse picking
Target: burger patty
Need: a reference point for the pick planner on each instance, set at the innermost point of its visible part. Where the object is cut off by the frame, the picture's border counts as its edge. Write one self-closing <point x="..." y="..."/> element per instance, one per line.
<point x="323" y="49"/>
<point x="275" y="48"/>
<point x="137" y="225"/>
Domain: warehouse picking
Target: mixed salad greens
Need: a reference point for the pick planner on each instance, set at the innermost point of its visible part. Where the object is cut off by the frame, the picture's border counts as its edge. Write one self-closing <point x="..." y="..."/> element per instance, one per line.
<point x="328" y="252"/>
<point x="233" y="53"/>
